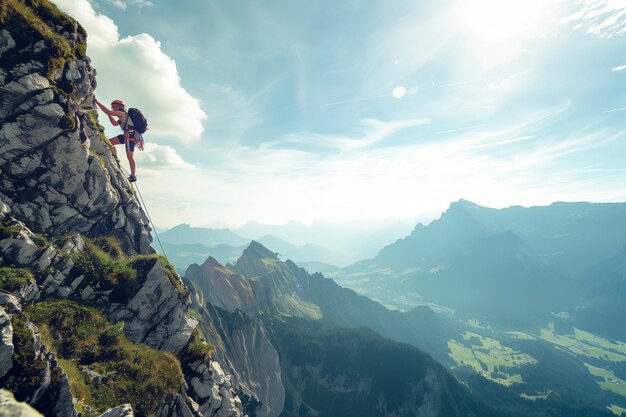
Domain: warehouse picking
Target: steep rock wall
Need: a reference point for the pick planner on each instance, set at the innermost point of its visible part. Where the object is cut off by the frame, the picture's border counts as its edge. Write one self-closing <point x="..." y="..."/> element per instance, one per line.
<point x="57" y="173"/>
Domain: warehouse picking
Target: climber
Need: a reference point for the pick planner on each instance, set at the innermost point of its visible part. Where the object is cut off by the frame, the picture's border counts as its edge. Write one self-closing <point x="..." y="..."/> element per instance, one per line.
<point x="129" y="135"/>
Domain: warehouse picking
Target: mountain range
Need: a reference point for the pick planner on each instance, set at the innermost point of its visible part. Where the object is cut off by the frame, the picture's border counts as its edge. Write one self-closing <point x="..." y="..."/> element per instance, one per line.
<point x="301" y="311"/>
<point x="510" y="261"/>
<point x="186" y="244"/>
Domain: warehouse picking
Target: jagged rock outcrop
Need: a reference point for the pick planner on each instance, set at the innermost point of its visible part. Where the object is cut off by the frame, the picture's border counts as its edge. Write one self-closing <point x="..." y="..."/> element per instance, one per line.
<point x="223" y="288"/>
<point x="155" y="315"/>
<point x="11" y="408"/>
<point x="257" y="282"/>
<point x="212" y="389"/>
<point x="6" y="343"/>
<point x="36" y="371"/>
<point x="243" y="348"/>
<point x="122" y="411"/>
<point x="56" y="173"/>
<point x="60" y="188"/>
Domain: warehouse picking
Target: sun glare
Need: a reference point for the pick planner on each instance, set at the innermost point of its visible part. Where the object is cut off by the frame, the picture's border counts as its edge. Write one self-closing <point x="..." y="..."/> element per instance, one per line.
<point x="498" y="28"/>
<point x="398" y="92"/>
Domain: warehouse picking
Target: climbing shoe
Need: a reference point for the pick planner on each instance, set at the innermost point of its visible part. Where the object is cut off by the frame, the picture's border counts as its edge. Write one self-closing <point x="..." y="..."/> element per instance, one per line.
<point x="132" y="178"/>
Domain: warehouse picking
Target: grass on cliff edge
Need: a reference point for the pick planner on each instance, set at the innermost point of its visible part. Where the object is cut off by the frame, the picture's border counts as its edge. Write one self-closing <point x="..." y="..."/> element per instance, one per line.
<point x="104" y="261"/>
<point x="196" y="348"/>
<point x="33" y="17"/>
<point x="82" y="337"/>
<point x="12" y="279"/>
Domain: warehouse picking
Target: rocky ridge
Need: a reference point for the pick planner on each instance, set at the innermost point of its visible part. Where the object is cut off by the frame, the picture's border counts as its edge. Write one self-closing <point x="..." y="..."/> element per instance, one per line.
<point x="69" y="218"/>
<point x="243" y="348"/>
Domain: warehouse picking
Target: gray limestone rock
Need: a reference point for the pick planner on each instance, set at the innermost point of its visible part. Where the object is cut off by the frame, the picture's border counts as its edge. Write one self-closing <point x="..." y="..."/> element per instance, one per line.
<point x="157" y="314"/>
<point x="10" y="303"/>
<point x="45" y="260"/>
<point x="246" y="354"/>
<point x="29" y="83"/>
<point x="6" y="41"/>
<point x="65" y="403"/>
<point x="211" y="388"/>
<point x="39" y="46"/>
<point x="217" y="373"/>
<point x="6" y="343"/>
<point x="124" y="410"/>
<point x="75" y="244"/>
<point x="51" y="111"/>
<point x="27" y="68"/>
<point x="9" y="407"/>
<point x="45" y="379"/>
<point x="72" y="73"/>
<point x="21" y="249"/>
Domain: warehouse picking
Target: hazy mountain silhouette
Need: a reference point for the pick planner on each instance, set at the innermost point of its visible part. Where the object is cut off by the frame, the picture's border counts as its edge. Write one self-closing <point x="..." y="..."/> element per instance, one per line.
<point x="497" y="261"/>
<point x="570" y="236"/>
<point x="350" y="241"/>
<point x="185" y="234"/>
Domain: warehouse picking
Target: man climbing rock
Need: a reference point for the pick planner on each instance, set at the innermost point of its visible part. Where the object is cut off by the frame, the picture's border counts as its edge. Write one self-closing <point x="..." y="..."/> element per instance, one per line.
<point x="129" y="136"/>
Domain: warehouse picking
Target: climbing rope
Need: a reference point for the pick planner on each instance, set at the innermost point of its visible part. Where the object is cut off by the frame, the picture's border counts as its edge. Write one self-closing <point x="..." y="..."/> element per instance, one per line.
<point x="145" y="208"/>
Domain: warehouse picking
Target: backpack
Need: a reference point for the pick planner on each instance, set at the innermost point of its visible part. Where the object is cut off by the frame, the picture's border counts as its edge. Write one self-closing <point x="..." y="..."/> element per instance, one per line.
<point x="140" y="124"/>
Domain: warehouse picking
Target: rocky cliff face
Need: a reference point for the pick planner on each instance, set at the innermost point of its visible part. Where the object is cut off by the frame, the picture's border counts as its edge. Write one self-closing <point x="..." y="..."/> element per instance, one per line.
<point x="244" y="349"/>
<point x="72" y="229"/>
<point x="56" y="169"/>
<point x="223" y="288"/>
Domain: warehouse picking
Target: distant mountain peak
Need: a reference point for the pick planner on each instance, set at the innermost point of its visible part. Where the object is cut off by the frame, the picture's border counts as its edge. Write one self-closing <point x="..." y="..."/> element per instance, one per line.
<point x="255" y="260"/>
<point x="211" y="262"/>
<point x="462" y="203"/>
<point x="257" y="251"/>
<point x="466" y="203"/>
<point x="183" y="226"/>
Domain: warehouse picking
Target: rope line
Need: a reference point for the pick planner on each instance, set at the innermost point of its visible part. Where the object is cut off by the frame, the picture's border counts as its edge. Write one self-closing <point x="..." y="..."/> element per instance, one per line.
<point x="145" y="207"/>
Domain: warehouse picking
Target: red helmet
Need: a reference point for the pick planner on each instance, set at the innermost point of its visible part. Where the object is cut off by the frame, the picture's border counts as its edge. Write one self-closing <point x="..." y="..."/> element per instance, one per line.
<point x="120" y="102"/>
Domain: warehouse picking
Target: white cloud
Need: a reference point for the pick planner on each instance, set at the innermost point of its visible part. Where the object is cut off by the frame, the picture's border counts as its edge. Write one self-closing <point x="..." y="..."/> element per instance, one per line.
<point x="602" y="18"/>
<point x="162" y="156"/>
<point x="136" y="70"/>
<point x="619" y="68"/>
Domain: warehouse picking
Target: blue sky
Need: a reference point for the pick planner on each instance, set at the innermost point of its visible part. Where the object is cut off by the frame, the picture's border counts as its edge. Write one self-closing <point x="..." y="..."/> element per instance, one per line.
<point x="355" y="110"/>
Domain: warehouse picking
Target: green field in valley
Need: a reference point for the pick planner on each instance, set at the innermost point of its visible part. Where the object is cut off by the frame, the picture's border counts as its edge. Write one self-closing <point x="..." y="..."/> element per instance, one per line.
<point x="489" y="358"/>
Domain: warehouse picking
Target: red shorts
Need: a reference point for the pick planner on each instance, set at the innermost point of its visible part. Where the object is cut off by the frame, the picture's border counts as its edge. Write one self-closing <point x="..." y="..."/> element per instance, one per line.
<point x="130" y="147"/>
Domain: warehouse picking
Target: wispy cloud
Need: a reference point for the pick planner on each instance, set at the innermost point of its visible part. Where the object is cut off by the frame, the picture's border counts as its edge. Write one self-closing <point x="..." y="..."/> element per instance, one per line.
<point x="119" y="4"/>
<point x="619" y="68"/>
<point x="602" y="18"/>
<point x="373" y="132"/>
<point x="614" y="110"/>
<point x="123" y="5"/>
